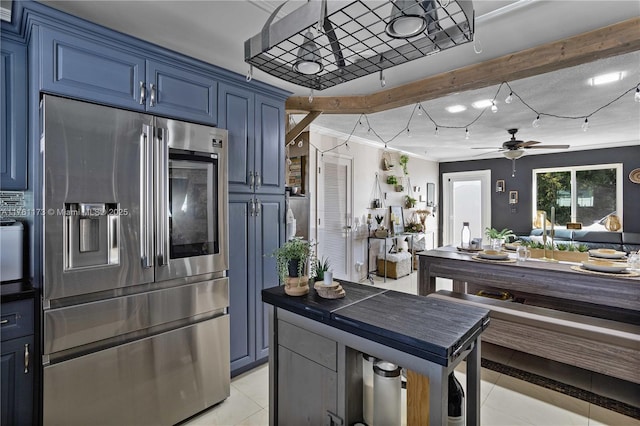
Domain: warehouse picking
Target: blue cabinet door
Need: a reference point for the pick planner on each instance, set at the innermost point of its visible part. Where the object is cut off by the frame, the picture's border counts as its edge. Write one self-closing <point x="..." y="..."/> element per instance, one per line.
<point x="181" y="93"/>
<point x="269" y="154"/>
<point x="16" y="394"/>
<point x="13" y="107"/>
<point x="83" y="68"/>
<point x="237" y="116"/>
<point x="269" y="236"/>
<point x="242" y="226"/>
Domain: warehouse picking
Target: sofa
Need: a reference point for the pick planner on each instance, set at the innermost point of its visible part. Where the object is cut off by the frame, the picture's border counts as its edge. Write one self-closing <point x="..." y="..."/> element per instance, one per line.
<point x="621" y="241"/>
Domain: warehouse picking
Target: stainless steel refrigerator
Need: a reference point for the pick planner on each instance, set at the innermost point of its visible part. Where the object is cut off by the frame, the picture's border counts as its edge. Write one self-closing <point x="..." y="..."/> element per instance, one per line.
<point x="135" y="294"/>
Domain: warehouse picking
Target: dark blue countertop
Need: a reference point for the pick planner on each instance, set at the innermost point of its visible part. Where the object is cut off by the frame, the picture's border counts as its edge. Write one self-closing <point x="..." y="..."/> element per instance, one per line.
<point x="16" y="290"/>
<point x="428" y="328"/>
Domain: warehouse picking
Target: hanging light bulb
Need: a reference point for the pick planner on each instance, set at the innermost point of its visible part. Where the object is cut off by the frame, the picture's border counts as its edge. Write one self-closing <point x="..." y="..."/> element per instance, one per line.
<point x="311" y="96"/>
<point x="509" y="98"/>
<point x="369" y="130"/>
<point x="494" y="107"/>
<point x="636" y="97"/>
<point x="419" y="109"/>
<point x="383" y="82"/>
<point x="360" y="123"/>
<point x="408" y="133"/>
<point x="536" y="122"/>
<point x="309" y="62"/>
<point x="346" y="145"/>
<point x="466" y="134"/>
<point x="437" y="132"/>
<point x="585" y="125"/>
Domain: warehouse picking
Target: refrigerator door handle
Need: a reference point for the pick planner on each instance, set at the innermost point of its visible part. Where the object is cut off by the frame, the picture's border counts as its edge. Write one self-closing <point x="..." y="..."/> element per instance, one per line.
<point x="162" y="199"/>
<point x="146" y="200"/>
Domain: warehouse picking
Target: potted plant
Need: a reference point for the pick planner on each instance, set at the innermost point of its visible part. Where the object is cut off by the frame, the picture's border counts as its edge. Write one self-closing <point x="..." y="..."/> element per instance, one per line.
<point x="498" y="238"/>
<point x="409" y="201"/>
<point x="291" y="260"/>
<point x="392" y="180"/>
<point x="404" y="160"/>
<point x="320" y="266"/>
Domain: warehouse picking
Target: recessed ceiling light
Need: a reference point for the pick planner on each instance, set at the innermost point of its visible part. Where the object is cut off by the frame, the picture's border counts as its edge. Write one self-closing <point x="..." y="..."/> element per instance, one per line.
<point x="482" y="104"/>
<point x="606" y="78"/>
<point x="456" y="108"/>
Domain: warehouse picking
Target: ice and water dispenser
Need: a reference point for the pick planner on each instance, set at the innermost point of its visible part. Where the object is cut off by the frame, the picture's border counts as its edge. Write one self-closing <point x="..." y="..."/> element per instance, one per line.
<point x="91" y="235"/>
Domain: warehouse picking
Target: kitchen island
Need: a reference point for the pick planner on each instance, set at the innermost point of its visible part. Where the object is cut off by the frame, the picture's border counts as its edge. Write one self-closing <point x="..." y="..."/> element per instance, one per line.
<point x="587" y="320"/>
<point x="316" y="345"/>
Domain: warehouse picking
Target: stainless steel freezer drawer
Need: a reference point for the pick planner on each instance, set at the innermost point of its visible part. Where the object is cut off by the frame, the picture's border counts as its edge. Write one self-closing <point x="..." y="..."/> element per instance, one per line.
<point x="107" y="320"/>
<point x="159" y="380"/>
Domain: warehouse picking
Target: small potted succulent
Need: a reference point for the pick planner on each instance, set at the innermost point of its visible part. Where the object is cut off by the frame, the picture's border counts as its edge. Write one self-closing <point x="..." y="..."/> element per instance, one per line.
<point x="498" y="238"/>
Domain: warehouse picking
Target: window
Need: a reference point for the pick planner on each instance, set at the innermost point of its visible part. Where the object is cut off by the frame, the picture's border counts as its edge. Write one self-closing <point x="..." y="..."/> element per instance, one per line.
<point x="585" y="194"/>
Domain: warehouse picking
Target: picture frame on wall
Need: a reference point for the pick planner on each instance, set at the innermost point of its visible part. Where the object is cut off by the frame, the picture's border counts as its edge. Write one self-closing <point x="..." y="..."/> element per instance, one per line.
<point x="396" y="220"/>
<point x="513" y="197"/>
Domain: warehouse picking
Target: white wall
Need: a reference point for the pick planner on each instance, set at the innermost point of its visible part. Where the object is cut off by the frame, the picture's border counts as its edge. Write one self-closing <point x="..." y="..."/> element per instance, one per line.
<point x="367" y="160"/>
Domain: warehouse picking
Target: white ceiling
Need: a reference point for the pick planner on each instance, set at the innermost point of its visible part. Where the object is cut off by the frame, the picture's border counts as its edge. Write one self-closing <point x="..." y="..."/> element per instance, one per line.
<point x="215" y="31"/>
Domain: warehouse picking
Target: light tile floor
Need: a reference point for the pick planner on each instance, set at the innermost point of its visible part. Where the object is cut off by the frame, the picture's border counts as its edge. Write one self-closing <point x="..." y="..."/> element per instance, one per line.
<point x="505" y="401"/>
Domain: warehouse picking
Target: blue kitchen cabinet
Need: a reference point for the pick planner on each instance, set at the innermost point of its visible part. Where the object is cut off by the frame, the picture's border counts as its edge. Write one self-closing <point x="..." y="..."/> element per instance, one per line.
<point x="82" y="67"/>
<point x="256" y="230"/>
<point x="256" y="140"/>
<point x="13" y="104"/>
<point x="17" y="363"/>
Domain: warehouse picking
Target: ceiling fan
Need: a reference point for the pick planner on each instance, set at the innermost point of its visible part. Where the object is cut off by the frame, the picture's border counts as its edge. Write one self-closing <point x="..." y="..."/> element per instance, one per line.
<point x="514" y="149"/>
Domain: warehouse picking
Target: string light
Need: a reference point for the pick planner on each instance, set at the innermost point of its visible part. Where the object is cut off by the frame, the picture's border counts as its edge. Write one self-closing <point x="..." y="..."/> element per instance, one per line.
<point x="636" y="97"/>
<point x="509" y="98"/>
<point x="300" y="143"/>
<point x="437" y="132"/>
<point x="383" y="81"/>
<point x="419" y="109"/>
<point x="408" y="133"/>
<point x="494" y="107"/>
<point x="536" y="122"/>
<point x="466" y="134"/>
<point x="585" y="125"/>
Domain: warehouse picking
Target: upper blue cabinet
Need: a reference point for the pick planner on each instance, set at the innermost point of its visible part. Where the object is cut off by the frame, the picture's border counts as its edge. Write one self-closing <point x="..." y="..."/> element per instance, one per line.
<point x="13" y="107"/>
<point x="96" y="70"/>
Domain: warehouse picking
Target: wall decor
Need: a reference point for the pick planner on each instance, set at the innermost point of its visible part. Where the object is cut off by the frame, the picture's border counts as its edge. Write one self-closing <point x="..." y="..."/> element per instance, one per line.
<point x="431" y="194"/>
<point x="513" y="197"/>
<point x="500" y="185"/>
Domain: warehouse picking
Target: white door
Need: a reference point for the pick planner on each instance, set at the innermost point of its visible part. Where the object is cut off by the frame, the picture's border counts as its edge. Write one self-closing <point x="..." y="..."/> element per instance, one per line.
<point x="334" y="210"/>
<point x="466" y="198"/>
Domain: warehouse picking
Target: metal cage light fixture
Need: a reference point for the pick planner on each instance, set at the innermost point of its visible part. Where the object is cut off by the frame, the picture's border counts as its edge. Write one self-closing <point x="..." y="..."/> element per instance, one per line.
<point x="356" y="38"/>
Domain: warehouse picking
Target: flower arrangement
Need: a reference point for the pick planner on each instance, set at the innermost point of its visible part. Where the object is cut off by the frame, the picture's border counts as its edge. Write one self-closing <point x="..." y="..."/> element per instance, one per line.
<point x="413" y="226"/>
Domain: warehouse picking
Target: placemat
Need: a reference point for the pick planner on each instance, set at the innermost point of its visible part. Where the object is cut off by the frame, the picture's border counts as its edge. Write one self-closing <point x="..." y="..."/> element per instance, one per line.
<point x="494" y="260"/>
<point x="626" y="274"/>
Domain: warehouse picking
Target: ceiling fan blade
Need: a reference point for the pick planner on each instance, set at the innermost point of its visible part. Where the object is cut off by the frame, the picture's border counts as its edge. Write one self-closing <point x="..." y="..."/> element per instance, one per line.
<point x="485" y="153"/>
<point x="485" y="147"/>
<point x="527" y="144"/>
<point x="549" y="147"/>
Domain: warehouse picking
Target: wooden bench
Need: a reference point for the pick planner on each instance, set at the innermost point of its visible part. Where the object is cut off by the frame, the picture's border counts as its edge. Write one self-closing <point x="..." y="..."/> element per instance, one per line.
<point x="604" y="346"/>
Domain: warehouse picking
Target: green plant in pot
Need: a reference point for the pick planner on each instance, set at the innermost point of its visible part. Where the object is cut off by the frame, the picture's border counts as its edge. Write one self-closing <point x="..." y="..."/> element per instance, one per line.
<point x="392" y="180"/>
<point x="291" y="261"/>
<point x="320" y="267"/>
<point x="409" y="201"/>
<point x="497" y="238"/>
<point x="404" y="160"/>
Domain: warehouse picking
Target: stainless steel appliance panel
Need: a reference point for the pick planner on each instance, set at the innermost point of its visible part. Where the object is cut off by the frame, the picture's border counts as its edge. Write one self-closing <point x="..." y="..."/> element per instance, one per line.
<point x="155" y="381"/>
<point x="78" y="325"/>
<point x="92" y="157"/>
<point x="206" y="182"/>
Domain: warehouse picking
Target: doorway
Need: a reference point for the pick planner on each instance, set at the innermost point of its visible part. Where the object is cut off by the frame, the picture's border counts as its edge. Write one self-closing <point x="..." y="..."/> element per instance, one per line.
<point x="334" y="212"/>
<point x="466" y="198"/>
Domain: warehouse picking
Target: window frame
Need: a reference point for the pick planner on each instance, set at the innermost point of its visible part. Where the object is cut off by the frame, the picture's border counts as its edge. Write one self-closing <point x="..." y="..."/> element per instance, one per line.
<point x="574" y="195"/>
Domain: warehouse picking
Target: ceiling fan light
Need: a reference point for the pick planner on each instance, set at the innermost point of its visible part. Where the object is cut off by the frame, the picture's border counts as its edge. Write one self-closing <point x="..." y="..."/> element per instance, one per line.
<point x="513" y="154"/>
<point x="309" y="62"/>
<point x="410" y="18"/>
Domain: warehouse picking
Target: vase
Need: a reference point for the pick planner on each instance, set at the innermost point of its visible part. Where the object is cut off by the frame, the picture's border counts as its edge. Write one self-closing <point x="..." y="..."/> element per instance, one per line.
<point x="297" y="286"/>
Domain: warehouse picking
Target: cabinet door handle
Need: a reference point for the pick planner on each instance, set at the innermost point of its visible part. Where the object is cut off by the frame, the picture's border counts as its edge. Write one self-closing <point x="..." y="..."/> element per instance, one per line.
<point x="26" y="358"/>
<point x="252" y="180"/>
<point x="143" y="93"/>
<point x="258" y="180"/>
<point x="252" y="208"/>
<point x="4" y="321"/>
<point x="152" y="98"/>
<point x="258" y="207"/>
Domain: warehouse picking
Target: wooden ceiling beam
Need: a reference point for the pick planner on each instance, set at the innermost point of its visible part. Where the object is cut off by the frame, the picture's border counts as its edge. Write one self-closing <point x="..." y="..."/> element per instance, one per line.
<point x="613" y="40"/>
<point x="299" y="128"/>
